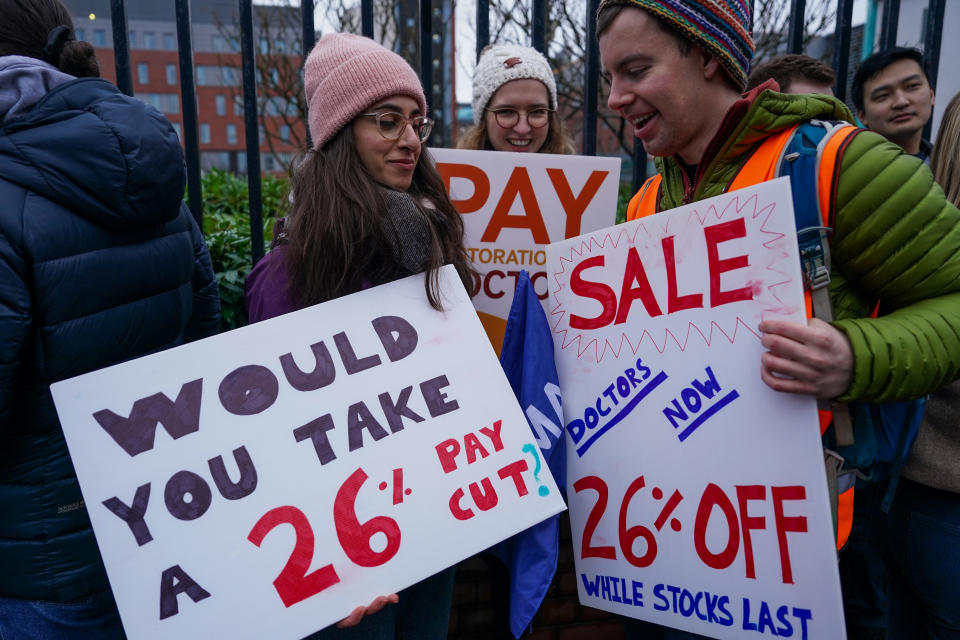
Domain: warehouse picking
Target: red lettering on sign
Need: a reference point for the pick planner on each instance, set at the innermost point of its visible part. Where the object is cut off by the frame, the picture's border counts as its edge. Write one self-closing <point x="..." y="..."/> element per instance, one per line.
<point x="596" y="290"/>
<point x="294" y="584"/>
<point x="715" y="235"/>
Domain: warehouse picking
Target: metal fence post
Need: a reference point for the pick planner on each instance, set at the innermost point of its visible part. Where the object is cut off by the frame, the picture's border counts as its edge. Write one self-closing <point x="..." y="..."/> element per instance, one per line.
<point x="426" y="50"/>
<point x="841" y="47"/>
<point x="188" y="101"/>
<point x="891" y="19"/>
<point x="591" y="82"/>
<point x="538" y="37"/>
<point x="483" y="25"/>
<point x="251" y="131"/>
<point x="121" y="46"/>
<point x="366" y="18"/>
<point x="798" y="11"/>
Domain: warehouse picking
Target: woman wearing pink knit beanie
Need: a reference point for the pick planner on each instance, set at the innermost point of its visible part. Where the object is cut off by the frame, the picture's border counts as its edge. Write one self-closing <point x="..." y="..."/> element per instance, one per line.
<point x="367" y="207"/>
<point x="515" y="103"/>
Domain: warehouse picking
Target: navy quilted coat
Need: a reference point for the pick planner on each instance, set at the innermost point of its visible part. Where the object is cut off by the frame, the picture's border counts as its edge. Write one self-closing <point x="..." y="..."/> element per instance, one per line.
<point x="99" y="263"/>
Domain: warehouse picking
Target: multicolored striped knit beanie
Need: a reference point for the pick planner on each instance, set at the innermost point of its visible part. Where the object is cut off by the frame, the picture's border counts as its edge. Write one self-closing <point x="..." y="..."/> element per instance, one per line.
<point x="722" y="27"/>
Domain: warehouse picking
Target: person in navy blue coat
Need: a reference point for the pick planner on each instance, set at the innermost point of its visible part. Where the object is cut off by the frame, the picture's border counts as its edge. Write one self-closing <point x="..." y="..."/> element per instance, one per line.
<point x="100" y="262"/>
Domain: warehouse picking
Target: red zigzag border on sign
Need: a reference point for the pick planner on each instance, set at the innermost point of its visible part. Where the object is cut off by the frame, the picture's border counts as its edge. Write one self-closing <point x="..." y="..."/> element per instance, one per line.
<point x="613" y="239"/>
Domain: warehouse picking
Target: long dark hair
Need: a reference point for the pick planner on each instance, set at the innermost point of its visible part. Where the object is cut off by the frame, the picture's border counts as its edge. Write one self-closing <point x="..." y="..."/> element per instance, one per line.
<point x="336" y="232"/>
<point x="558" y="139"/>
<point x="27" y="24"/>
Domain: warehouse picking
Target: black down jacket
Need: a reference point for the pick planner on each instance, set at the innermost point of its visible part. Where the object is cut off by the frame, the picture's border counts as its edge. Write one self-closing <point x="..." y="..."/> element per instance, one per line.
<point x="99" y="263"/>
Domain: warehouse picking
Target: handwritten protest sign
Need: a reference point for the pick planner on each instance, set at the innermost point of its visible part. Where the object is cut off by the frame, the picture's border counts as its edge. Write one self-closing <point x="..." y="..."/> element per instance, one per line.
<point x="697" y="494"/>
<point x="513" y="204"/>
<point x="264" y="482"/>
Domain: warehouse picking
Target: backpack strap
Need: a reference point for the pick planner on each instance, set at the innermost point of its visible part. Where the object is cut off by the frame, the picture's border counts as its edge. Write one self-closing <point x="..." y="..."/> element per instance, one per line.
<point x="810" y="160"/>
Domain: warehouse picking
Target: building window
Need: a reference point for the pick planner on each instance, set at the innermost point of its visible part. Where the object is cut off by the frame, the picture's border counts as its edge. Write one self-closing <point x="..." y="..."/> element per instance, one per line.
<point x="238" y="105"/>
<point x="231" y="134"/>
<point x="99" y="38"/>
<point x="176" y="127"/>
<point x="168" y="42"/>
<point x="285" y="133"/>
<point x="281" y="46"/>
<point x="204" y="133"/>
<point x="79" y="33"/>
<point x="264" y="46"/>
<point x="149" y="40"/>
<point x="215" y="160"/>
<point x="171" y="74"/>
<point x="215" y="76"/>
<point x="163" y="102"/>
<point x="143" y="74"/>
<point x="217" y="44"/>
<point x="221" y="105"/>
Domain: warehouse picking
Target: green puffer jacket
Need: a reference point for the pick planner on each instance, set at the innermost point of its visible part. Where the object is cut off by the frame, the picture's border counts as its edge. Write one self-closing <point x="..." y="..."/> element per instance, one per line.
<point x="895" y="239"/>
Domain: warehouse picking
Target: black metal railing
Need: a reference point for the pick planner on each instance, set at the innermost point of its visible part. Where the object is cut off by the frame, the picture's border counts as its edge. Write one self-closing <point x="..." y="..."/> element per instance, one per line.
<point x="933" y="33"/>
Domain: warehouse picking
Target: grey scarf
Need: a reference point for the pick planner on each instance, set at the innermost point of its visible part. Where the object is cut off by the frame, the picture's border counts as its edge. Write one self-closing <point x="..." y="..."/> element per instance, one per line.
<point x="410" y="237"/>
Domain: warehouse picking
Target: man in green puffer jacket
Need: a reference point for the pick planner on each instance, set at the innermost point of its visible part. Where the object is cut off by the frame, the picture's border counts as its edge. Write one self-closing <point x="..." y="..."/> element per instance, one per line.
<point x="676" y="69"/>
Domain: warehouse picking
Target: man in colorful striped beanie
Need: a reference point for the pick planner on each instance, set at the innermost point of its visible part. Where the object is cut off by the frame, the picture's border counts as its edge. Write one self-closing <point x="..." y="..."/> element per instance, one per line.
<point x="676" y="70"/>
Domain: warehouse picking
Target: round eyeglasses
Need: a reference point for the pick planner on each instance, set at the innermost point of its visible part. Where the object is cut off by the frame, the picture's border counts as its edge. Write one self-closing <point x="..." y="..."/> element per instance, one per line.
<point x="509" y="117"/>
<point x="391" y="125"/>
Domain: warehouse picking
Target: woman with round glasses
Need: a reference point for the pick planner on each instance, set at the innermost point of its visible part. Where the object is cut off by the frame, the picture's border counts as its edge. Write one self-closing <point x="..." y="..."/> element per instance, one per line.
<point x="515" y="103"/>
<point x="368" y="207"/>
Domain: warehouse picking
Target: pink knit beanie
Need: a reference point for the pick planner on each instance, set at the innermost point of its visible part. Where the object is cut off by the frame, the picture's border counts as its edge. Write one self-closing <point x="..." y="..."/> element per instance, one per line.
<point x="345" y="74"/>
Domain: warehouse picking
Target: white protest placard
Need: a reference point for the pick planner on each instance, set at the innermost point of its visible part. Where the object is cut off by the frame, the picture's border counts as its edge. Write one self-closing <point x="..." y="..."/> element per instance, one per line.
<point x="697" y="494"/>
<point x="264" y="482"/>
<point x="513" y="204"/>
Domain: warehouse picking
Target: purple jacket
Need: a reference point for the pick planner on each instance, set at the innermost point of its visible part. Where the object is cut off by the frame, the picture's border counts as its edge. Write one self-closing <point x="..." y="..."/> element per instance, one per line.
<point x="266" y="291"/>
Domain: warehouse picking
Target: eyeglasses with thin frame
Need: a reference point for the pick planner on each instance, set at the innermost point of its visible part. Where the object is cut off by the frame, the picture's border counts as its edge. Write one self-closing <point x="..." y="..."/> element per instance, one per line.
<point x="509" y="117"/>
<point x="391" y="124"/>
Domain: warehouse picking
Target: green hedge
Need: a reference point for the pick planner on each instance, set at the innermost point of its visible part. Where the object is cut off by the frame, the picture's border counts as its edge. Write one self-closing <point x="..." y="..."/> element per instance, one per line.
<point x="226" y="227"/>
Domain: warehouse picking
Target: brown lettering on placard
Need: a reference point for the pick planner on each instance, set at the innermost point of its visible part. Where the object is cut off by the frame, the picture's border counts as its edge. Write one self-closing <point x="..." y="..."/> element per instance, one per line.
<point x="394" y="410"/>
<point x="437" y="403"/>
<point x="173" y="582"/>
<point x="248" y="390"/>
<point x="403" y="344"/>
<point x="135" y="433"/>
<point x="351" y="362"/>
<point x="134" y="514"/>
<point x="247" y="482"/>
<point x="322" y="375"/>
<point x="179" y="486"/>
<point x="316" y="430"/>
<point x="358" y="419"/>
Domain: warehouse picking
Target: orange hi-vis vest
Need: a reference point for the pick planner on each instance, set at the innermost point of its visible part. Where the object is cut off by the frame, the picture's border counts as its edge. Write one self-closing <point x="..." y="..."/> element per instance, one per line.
<point x="763" y="165"/>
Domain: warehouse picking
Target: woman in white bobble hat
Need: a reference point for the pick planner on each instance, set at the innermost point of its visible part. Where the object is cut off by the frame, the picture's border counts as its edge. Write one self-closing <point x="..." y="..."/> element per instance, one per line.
<point x="515" y="103"/>
<point x="368" y="207"/>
